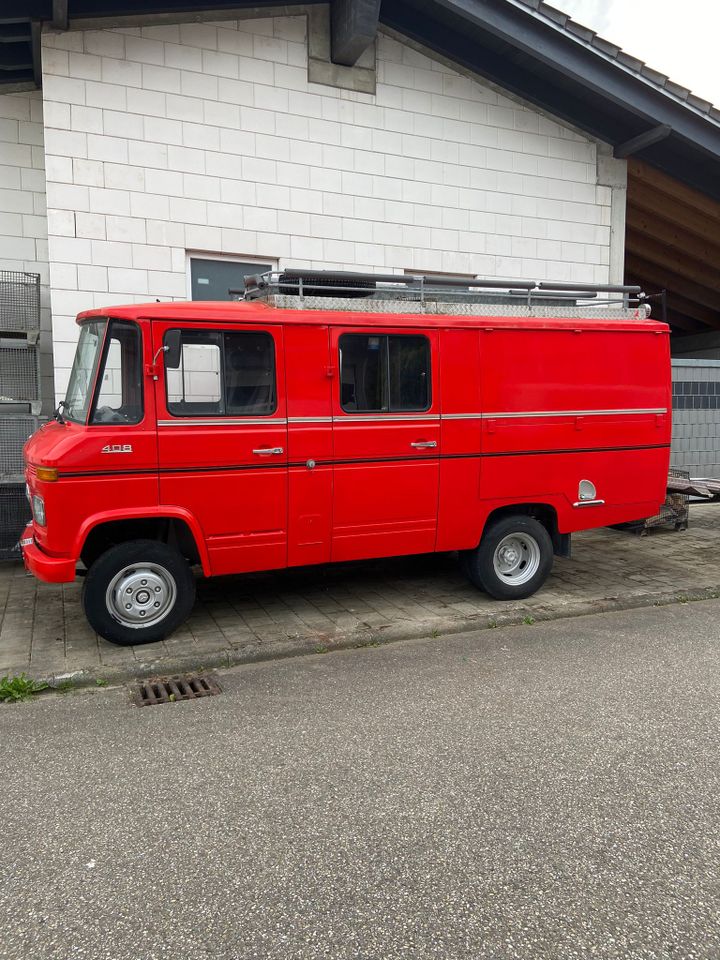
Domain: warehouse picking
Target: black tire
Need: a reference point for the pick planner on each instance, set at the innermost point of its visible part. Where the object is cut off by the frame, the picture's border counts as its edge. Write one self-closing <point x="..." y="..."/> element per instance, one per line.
<point x="479" y="567"/>
<point x="168" y="584"/>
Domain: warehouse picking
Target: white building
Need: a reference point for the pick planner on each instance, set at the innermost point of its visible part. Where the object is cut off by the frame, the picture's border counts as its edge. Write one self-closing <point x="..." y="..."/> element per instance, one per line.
<point x="156" y="141"/>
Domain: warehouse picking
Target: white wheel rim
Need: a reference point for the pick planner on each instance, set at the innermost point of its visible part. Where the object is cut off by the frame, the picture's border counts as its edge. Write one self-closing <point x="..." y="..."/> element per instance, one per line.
<point x="516" y="559"/>
<point x="141" y="594"/>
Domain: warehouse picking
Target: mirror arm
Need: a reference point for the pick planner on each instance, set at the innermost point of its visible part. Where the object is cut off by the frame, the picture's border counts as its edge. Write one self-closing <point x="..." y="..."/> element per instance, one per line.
<point x="151" y="368"/>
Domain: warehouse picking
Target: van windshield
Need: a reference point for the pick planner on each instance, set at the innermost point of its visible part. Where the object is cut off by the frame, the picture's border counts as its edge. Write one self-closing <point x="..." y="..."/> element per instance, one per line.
<point x="84" y="369"/>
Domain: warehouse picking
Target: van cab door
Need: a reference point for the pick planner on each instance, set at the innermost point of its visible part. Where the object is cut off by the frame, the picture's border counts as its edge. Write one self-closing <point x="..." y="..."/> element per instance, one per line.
<point x="386" y="440"/>
<point x="222" y="438"/>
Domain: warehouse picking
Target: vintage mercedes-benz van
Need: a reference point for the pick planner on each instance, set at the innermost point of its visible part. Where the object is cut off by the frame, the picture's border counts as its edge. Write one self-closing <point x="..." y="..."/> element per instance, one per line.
<point x="335" y="417"/>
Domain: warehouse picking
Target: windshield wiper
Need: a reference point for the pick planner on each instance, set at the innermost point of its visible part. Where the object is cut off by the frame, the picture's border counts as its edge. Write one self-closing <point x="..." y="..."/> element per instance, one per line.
<point x="57" y="413"/>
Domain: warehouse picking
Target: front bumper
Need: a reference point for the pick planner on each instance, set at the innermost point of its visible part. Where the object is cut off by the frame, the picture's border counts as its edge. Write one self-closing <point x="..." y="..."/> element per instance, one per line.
<point x="40" y="565"/>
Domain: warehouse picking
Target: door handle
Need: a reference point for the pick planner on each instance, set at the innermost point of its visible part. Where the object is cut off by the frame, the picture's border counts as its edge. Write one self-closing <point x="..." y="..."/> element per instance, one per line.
<point x="421" y="444"/>
<point x="269" y="451"/>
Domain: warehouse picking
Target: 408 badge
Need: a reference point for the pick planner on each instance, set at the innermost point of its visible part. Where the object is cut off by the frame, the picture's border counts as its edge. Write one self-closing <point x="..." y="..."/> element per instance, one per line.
<point x="117" y="448"/>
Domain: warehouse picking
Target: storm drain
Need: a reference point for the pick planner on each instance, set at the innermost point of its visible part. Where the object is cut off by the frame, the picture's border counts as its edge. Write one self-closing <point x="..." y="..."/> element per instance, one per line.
<point x="171" y="689"/>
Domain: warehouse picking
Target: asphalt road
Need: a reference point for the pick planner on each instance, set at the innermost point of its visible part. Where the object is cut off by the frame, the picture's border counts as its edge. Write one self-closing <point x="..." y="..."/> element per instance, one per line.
<point x="545" y="791"/>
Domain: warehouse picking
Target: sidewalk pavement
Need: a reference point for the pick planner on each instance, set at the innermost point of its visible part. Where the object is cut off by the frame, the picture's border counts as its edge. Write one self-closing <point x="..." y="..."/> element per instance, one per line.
<point x="262" y="616"/>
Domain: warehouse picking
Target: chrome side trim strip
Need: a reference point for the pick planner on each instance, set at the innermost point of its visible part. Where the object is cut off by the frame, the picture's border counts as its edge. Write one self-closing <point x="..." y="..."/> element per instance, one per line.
<point x="570" y="413"/>
<point x="351" y="418"/>
<point x="222" y="422"/>
<point x="433" y="417"/>
<point x="462" y="416"/>
<point x="310" y="419"/>
<point x="589" y="503"/>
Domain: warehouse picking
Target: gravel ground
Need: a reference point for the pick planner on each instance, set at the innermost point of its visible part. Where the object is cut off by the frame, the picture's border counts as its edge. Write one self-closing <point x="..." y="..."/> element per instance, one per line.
<point x="544" y="791"/>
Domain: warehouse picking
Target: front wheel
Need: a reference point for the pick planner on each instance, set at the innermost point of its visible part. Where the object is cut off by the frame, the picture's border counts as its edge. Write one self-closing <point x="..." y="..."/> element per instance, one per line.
<point x="138" y="592"/>
<point x="513" y="560"/>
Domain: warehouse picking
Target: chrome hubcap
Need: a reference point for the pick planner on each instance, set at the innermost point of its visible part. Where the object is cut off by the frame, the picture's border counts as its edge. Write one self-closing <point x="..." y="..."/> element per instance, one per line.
<point x="517" y="558"/>
<point x="141" y="594"/>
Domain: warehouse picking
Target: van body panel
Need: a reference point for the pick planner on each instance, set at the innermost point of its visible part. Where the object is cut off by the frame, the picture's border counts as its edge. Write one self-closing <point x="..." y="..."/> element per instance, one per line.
<point x="386" y="468"/>
<point x="309" y="380"/>
<point x="521" y="410"/>
<point x="215" y="467"/>
<point x="461" y="467"/>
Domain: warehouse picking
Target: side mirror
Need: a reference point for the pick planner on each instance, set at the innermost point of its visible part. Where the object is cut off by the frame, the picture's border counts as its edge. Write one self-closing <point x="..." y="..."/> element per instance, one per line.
<point x="173" y="349"/>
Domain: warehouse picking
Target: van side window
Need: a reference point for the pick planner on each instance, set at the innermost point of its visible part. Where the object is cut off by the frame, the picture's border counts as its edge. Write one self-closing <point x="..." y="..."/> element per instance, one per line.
<point x="223" y="373"/>
<point x="385" y="373"/>
<point x="119" y="396"/>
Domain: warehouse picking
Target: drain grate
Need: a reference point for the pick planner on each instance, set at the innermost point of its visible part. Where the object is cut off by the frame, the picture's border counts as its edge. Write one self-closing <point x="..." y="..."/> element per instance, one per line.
<point x="172" y="689"/>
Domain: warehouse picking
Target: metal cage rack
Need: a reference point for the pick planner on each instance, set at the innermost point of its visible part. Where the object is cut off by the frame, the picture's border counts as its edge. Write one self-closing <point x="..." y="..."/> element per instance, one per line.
<point x="19" y="373"/>
<point x="14" y="432"/>
<point x="19" y="301"/>
<point x="420" y="293"/>
<point x="19" y="397"/>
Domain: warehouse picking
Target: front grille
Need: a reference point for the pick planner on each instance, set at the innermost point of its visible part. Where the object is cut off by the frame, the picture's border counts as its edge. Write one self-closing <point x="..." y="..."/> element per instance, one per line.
<point x="14" y="514"/>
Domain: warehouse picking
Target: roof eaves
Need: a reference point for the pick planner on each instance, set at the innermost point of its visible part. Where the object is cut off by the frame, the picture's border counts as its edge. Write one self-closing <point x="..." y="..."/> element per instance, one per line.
<point x="611" y="52"/>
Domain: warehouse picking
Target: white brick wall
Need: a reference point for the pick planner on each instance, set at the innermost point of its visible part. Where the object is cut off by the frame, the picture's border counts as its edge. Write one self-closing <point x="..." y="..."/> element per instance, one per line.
<point x="23" y="225"/>
<point x="23" y="220"/>
<point x="209" y="137"/>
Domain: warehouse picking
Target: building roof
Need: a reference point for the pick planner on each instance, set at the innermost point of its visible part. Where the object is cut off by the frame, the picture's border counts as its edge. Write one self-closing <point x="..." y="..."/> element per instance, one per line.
<point x="527" y="47"/>
<point x="626" y="60"/>
<point x="542" y="56"/>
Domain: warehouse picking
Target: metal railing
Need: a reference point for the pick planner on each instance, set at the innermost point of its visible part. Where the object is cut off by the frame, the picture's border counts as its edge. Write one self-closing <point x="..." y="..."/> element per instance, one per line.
<point x="421" y="288"/>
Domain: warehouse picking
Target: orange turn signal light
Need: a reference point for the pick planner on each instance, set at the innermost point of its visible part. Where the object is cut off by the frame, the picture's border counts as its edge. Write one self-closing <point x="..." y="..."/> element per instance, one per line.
<point x="49" y="474"/>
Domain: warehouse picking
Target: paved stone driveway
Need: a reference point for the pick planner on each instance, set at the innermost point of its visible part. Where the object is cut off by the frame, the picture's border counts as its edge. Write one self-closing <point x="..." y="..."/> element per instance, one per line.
<point x="236" y="619"/>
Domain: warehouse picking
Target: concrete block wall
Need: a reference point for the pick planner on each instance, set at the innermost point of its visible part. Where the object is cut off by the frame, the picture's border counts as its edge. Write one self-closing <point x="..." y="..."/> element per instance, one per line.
<point x="696" y="417"/>
<point x="23" y="217"/>
<point x="208" y="137"/>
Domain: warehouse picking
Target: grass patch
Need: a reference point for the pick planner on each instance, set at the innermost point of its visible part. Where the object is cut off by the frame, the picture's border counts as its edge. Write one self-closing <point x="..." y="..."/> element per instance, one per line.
<point x="21" y="687"/>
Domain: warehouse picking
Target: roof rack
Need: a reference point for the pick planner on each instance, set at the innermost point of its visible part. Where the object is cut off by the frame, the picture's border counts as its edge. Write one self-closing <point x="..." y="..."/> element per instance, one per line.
<point x="347" y="290"/>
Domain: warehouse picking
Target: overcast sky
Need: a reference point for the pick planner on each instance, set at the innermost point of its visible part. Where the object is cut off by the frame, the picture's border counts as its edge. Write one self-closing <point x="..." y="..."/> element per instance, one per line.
<point x="678" y="38"/>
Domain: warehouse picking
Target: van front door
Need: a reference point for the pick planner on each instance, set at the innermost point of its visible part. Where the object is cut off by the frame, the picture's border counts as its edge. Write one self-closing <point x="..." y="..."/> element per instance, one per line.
<point x="386" y="442"/>
<point x="222" y="439"/>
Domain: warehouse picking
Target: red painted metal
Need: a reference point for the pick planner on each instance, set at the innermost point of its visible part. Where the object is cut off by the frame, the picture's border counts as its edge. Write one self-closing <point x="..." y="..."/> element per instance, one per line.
<point x="522" y="410"/>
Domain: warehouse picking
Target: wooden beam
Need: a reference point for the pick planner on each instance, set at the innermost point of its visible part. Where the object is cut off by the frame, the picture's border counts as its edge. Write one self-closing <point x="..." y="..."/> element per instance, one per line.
<point x="675" y="317"/>
<point x="706" y="318"/>
<point x="689" y="218"/>
<point x="642" y="173"/>
<point x="709" y="318"/>
<point x="673" y="237"/>
<point x="673" y="260"/>
<point x="681" y="322"/>
<point x="654" y="135"/>
<point x="697" y="319"/>
<point x="668" y="279"/>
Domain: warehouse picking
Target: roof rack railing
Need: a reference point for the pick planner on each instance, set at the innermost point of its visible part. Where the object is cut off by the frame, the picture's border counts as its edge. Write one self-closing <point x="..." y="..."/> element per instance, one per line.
<point x="422" y="287"/>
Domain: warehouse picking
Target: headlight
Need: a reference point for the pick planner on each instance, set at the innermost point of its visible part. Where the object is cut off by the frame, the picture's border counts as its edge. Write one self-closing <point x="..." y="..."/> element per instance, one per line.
<point x="38" y="509"/>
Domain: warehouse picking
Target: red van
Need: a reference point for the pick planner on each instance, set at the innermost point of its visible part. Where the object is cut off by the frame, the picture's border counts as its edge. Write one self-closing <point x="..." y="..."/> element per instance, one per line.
<point x="332" y="417"/>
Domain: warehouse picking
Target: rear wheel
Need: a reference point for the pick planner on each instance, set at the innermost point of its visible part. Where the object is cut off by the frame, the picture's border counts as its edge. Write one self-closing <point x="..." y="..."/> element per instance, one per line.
<point x="138" y="592"/>
<point x="513" y="560"/>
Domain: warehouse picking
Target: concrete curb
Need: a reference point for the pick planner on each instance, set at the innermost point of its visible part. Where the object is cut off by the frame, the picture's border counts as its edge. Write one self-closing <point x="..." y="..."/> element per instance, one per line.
<point x="416" y="630"/>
